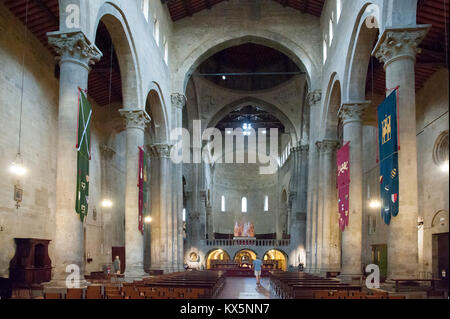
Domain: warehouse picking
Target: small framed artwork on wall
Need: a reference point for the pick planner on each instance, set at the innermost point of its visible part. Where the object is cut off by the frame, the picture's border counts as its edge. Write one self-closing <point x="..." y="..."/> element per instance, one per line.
<point x="18" y="193"/>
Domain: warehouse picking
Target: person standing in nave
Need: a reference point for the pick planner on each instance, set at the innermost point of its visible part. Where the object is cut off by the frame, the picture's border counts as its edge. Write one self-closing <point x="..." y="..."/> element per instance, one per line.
<point x="117" y="265"/>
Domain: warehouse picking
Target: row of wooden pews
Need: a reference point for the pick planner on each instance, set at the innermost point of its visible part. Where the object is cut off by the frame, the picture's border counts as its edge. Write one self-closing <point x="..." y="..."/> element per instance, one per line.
<point x="298" y="285"/>
<point x="181" y="285"/>
<point x="354" y="295"/>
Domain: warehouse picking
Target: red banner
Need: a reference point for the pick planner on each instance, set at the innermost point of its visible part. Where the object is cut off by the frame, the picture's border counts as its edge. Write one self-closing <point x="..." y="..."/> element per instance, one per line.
<point x="343" y="184"/>
<point x="141" y="189"/>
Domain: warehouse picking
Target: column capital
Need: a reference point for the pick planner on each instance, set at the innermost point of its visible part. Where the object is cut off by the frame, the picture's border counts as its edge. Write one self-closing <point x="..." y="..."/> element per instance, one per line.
<point x="304" y="148"/>
<point x="74" y="47"/>
<point x="194" y="215"/>
<point x="400" y="42"/>
<point x="136" y="118"/>
<point x="314" y="97"/>
<point x="178" y="100"/>
<point x="160" y="150"/>
<point x="327" y="146"/>
<point x="352" y="111"/>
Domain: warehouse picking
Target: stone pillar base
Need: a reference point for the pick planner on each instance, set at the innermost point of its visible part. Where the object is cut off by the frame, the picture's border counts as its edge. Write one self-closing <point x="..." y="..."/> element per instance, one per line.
<point x="60" y="285"/>
<point x="134" y="274"/>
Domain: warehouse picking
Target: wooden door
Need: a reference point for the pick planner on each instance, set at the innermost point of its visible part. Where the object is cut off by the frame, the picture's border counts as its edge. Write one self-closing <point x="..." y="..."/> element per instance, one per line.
<point x="379" y="257"/>
<point x="119" y="251"/>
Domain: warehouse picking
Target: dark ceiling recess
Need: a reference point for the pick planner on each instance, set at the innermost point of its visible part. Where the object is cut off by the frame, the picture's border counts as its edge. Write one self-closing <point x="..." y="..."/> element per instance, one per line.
<point x="254" y="115"/>
<point x="248" y="67"/>
<point x="180" y="9"/>
<point x="435" y="46"/>
<point x="99" y="78"/>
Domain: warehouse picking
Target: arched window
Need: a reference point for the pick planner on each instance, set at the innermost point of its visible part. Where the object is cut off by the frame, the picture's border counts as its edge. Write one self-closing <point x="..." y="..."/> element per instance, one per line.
<point x="266" y="203"/>
<point x="166" y="51"/>
<point x="338" y="10"/>
<point x="145" y="8"/>
<point x="222" y="204"/>
<point x="325" y="51"/>
<point x="156" y="31"/>
<point x="244" y="205"/>
<point x="184" y="214"/>
<point x="331" y="32"/>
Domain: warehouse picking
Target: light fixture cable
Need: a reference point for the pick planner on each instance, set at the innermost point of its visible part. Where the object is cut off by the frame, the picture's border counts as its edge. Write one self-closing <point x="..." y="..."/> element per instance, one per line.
<point x="23" y="79"/>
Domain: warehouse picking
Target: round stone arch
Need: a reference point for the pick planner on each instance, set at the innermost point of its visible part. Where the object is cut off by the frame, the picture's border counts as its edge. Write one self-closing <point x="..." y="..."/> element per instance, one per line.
<point x="286" y="256"/>
<point x="156" y="107"/>
<point x="118" y="28"/>
<point x="333" y="101"/>
<point x="270" y="39"/>
<point x="266" y="106"/>
<point x="360" y="50"/>
<point x="244" y="249"/>
<point x="439" y="223"/>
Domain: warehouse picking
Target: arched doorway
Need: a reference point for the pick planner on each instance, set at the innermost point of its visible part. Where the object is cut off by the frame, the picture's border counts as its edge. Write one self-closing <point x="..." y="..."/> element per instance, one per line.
<point x="216" y="258"/>
<point x="245" y="258"/>
<point x="275" y="259"/>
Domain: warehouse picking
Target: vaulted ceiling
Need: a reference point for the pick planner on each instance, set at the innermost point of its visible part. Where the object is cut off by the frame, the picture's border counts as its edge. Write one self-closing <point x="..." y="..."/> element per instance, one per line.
<point x="248" y="67"/>
<point x="180" y="9"/>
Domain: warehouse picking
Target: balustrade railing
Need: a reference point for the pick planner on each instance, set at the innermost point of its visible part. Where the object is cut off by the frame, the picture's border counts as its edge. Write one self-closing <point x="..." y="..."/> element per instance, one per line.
<point x="248" y="242"/>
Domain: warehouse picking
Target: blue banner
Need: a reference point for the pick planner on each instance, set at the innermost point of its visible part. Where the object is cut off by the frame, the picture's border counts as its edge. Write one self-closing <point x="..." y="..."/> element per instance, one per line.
<point x="388" y="148"/>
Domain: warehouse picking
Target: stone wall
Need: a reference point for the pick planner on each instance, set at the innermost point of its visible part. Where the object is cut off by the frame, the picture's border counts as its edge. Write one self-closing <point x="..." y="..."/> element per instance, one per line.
<point x="36" y="216"/>
<point x="432" y="120"/>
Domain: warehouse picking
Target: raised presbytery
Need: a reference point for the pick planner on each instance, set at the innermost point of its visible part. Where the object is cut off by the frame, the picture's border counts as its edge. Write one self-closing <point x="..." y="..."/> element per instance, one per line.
<point x="211" y="149"/>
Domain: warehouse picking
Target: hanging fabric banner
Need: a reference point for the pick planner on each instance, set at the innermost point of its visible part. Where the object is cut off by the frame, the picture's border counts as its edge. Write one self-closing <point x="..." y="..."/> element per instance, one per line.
<point x="343" y="184"/>
<point x="143" y="188"/>
<point x="388" y="150"/>
<point x="83" y="154"/>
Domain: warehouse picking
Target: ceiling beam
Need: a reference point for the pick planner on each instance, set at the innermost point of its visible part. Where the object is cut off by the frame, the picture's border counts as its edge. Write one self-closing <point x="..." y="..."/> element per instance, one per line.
<point x="208" y="4"/>
<point x="187" y="7"/>
<point x="305" y="5"/>
<point x="50" y="16"/>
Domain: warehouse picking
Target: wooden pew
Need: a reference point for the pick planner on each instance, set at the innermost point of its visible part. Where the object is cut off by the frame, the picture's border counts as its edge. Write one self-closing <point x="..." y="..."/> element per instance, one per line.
<point x="74" y="293"/>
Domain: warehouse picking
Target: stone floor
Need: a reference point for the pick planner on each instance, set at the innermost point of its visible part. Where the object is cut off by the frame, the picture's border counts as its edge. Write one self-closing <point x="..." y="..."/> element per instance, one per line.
<point x="245" y="288"/>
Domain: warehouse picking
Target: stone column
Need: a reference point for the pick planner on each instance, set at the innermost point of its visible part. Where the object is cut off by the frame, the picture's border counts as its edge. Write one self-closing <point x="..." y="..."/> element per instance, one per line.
<point x="294" y="230"/>
<point x="107" y="153"/>
<point x="161" y="235"/>
<point x="75" y="53"/>
<point x="318" y="217"/>
<point x="351" y="115"/>
<point x="397" y="49"/>
<point x="202" y="216"/>
<point x="136" y="122"/>
<point x="314" y="99"/>
<point x="302" y="192"/>
<point x="178" y="102"/>
<point x="330" y="235"/>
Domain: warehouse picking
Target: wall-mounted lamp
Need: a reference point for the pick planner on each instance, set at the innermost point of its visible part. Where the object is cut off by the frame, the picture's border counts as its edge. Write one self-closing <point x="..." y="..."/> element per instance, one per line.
<point x="17" y="168"/>
<point x="375" y="204"/>
<point x="107" y="203"/>
<point x="445" y="167"/>
<point x="147" y="220"/>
